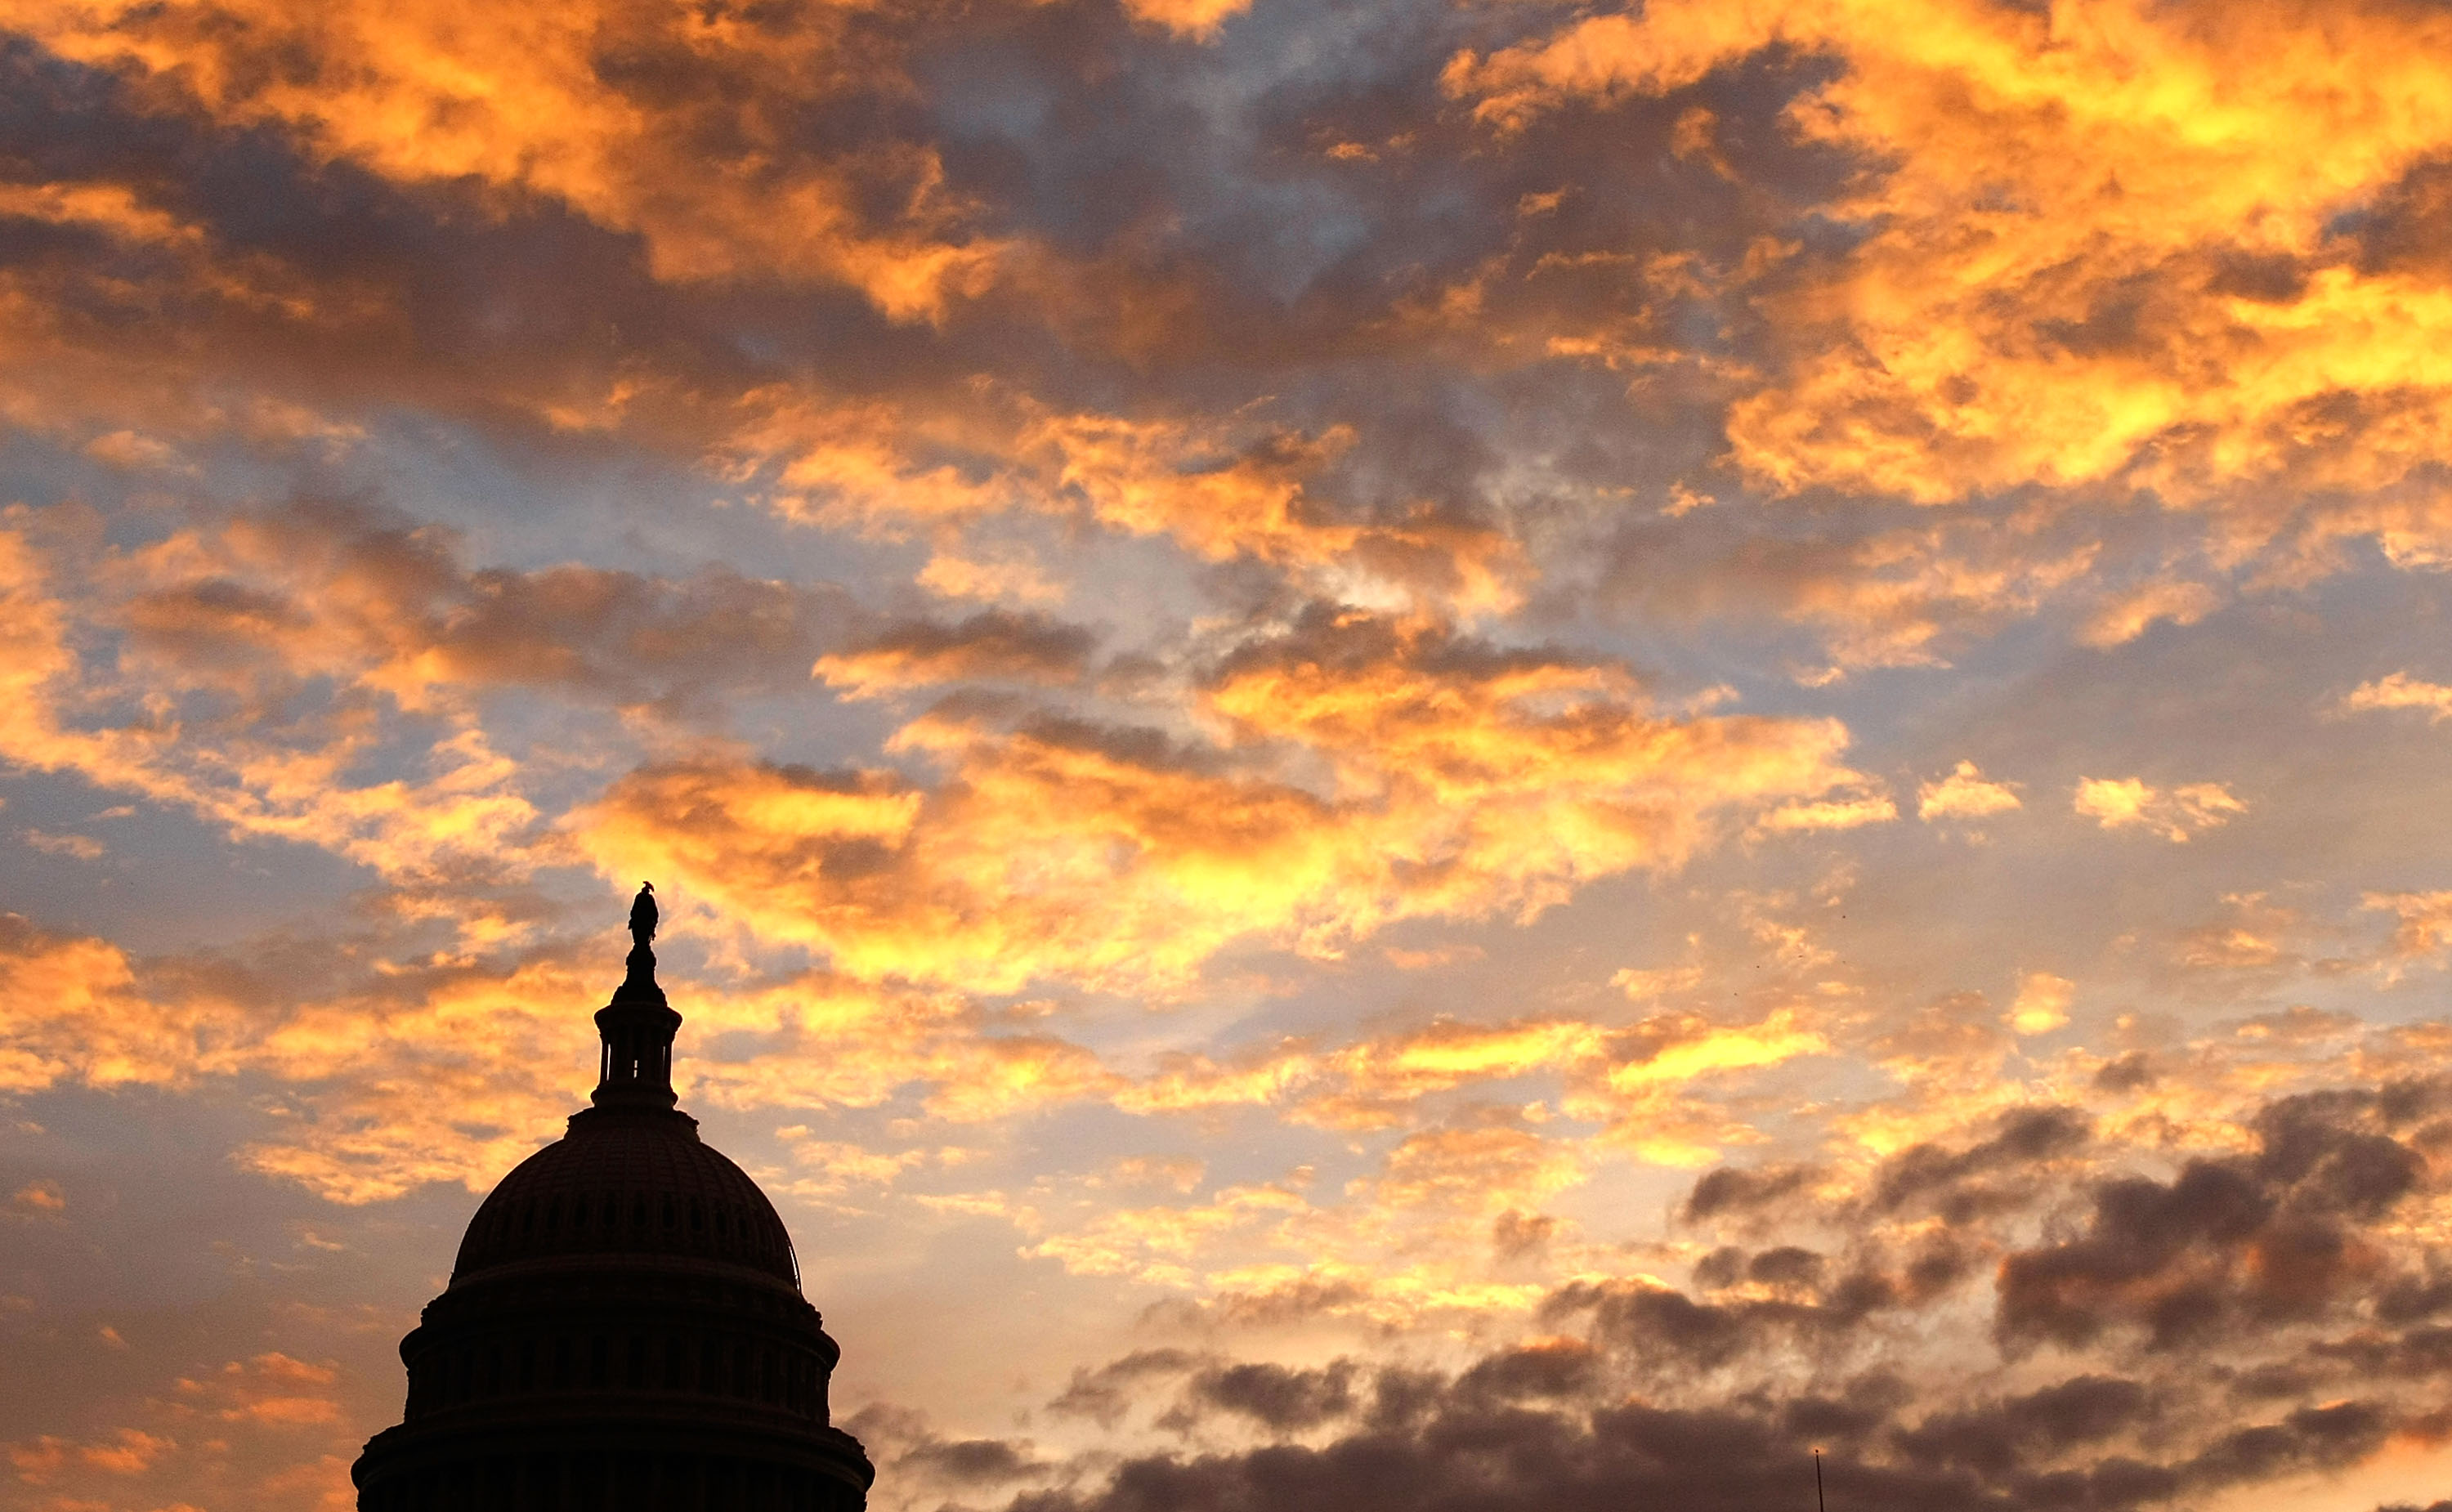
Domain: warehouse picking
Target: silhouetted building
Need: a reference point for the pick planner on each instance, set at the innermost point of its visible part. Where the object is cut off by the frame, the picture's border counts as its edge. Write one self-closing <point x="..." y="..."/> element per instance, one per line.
<point x="624" y="1327"/>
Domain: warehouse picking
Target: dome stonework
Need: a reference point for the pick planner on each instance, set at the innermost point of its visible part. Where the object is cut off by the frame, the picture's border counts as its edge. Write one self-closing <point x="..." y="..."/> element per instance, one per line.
<point x="624" y="1326"/>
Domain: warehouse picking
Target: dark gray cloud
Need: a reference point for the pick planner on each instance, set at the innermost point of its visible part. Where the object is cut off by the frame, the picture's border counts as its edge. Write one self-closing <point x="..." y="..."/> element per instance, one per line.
<point x="1275" y="1397"/>
<point x="2273" y="1238"/>
<point x="994" y="646"/>
<point x="1652" y="1396"/>
<point x="971" y="1462"/>
<point x="1105" y="1394"/>
<point x="1451" y="1448"/>
<point x="1735" y="1188"/>
<point x="1950" y="1181"/>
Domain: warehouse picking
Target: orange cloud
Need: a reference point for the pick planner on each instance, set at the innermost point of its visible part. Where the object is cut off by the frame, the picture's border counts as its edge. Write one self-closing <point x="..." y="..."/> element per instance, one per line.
<point x="39" y="1199"/>
<point x="1369" y="1085"/>
<point x="2133" y="614"/>
<point x="1965" y="794"/>
<point x="1199" y="19"/>
<point x="2102" y="246"/>
<point x="417" y="1072"/>
<point x="316" y="674"/>
<point x="1831" y="814"/>
<point x="2254" y="934"/>
<point x="132" y="1451"/>
<point x="63" y="375"/>
<point x="256" y="780"/>
<point x="2425" y="926"/>
<point x="1159" y="1245"/>
<point x="271" y="1388"/>
<point x="1459" y="781"/>
<point x="1638" y="1081"/>
<point x="249" y="1431"/>
<point x="2399" y="690"/>
<point x="1476" y="1172"/>
<point x="1699" y="1050"/>
<point x="1896" y="598"/>
<point x="1185" y="1081"/>
<point x="1220" y="489"/>
<point x="990" y="575"/>
<point x="445" y="94"/>
<point x="2119" y="803"/>
<point x="83" y="1016"/>
<point x="79" y="847"/>
<point x="2042" y="1003"/>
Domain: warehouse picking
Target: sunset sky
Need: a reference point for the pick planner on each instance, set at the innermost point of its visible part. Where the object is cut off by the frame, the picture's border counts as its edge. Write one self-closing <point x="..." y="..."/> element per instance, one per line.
<point x="1416" y="754"/>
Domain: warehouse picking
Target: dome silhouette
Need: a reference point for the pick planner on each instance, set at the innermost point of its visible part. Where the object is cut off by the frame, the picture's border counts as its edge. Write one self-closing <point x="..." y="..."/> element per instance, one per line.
<point x="631" y="1187"/>
<point x="624" y="1326"/>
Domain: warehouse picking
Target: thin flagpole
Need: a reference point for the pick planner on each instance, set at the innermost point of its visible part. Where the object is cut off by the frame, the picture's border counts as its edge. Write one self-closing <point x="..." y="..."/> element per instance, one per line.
<point x="1817" y="1483"/>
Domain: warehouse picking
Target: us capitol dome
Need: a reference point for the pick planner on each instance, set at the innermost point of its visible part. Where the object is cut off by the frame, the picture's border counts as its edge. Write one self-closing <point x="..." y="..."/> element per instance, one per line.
<point x="624" y="1327"/>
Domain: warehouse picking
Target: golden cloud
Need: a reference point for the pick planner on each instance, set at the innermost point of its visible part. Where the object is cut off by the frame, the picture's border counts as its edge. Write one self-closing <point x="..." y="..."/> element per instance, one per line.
<point x="1470" y="1175"/>
<point x="1638" y="1082"/>
<point x="419" y="1072"/>
<point x="2042" y="1004"/>
<point x="1368" y="1084"/>
<point x="1680" y="1049"/>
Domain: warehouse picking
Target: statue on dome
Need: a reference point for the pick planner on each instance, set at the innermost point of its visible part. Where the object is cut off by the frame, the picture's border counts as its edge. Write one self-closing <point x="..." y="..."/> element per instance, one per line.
<point x="642" y="916"/>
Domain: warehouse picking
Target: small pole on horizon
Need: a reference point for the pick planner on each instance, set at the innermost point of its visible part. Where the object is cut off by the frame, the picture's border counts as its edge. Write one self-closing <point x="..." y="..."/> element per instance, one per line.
<point x="1817" y="1483"/>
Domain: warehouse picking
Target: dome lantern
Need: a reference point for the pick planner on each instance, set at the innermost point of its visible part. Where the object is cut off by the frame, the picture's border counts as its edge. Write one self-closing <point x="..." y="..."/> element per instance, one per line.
<point x="634" y="1066"/>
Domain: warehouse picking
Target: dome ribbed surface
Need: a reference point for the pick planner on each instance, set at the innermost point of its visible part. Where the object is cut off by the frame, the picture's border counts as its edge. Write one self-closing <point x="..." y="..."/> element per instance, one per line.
<point x="627" y="1183"/>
